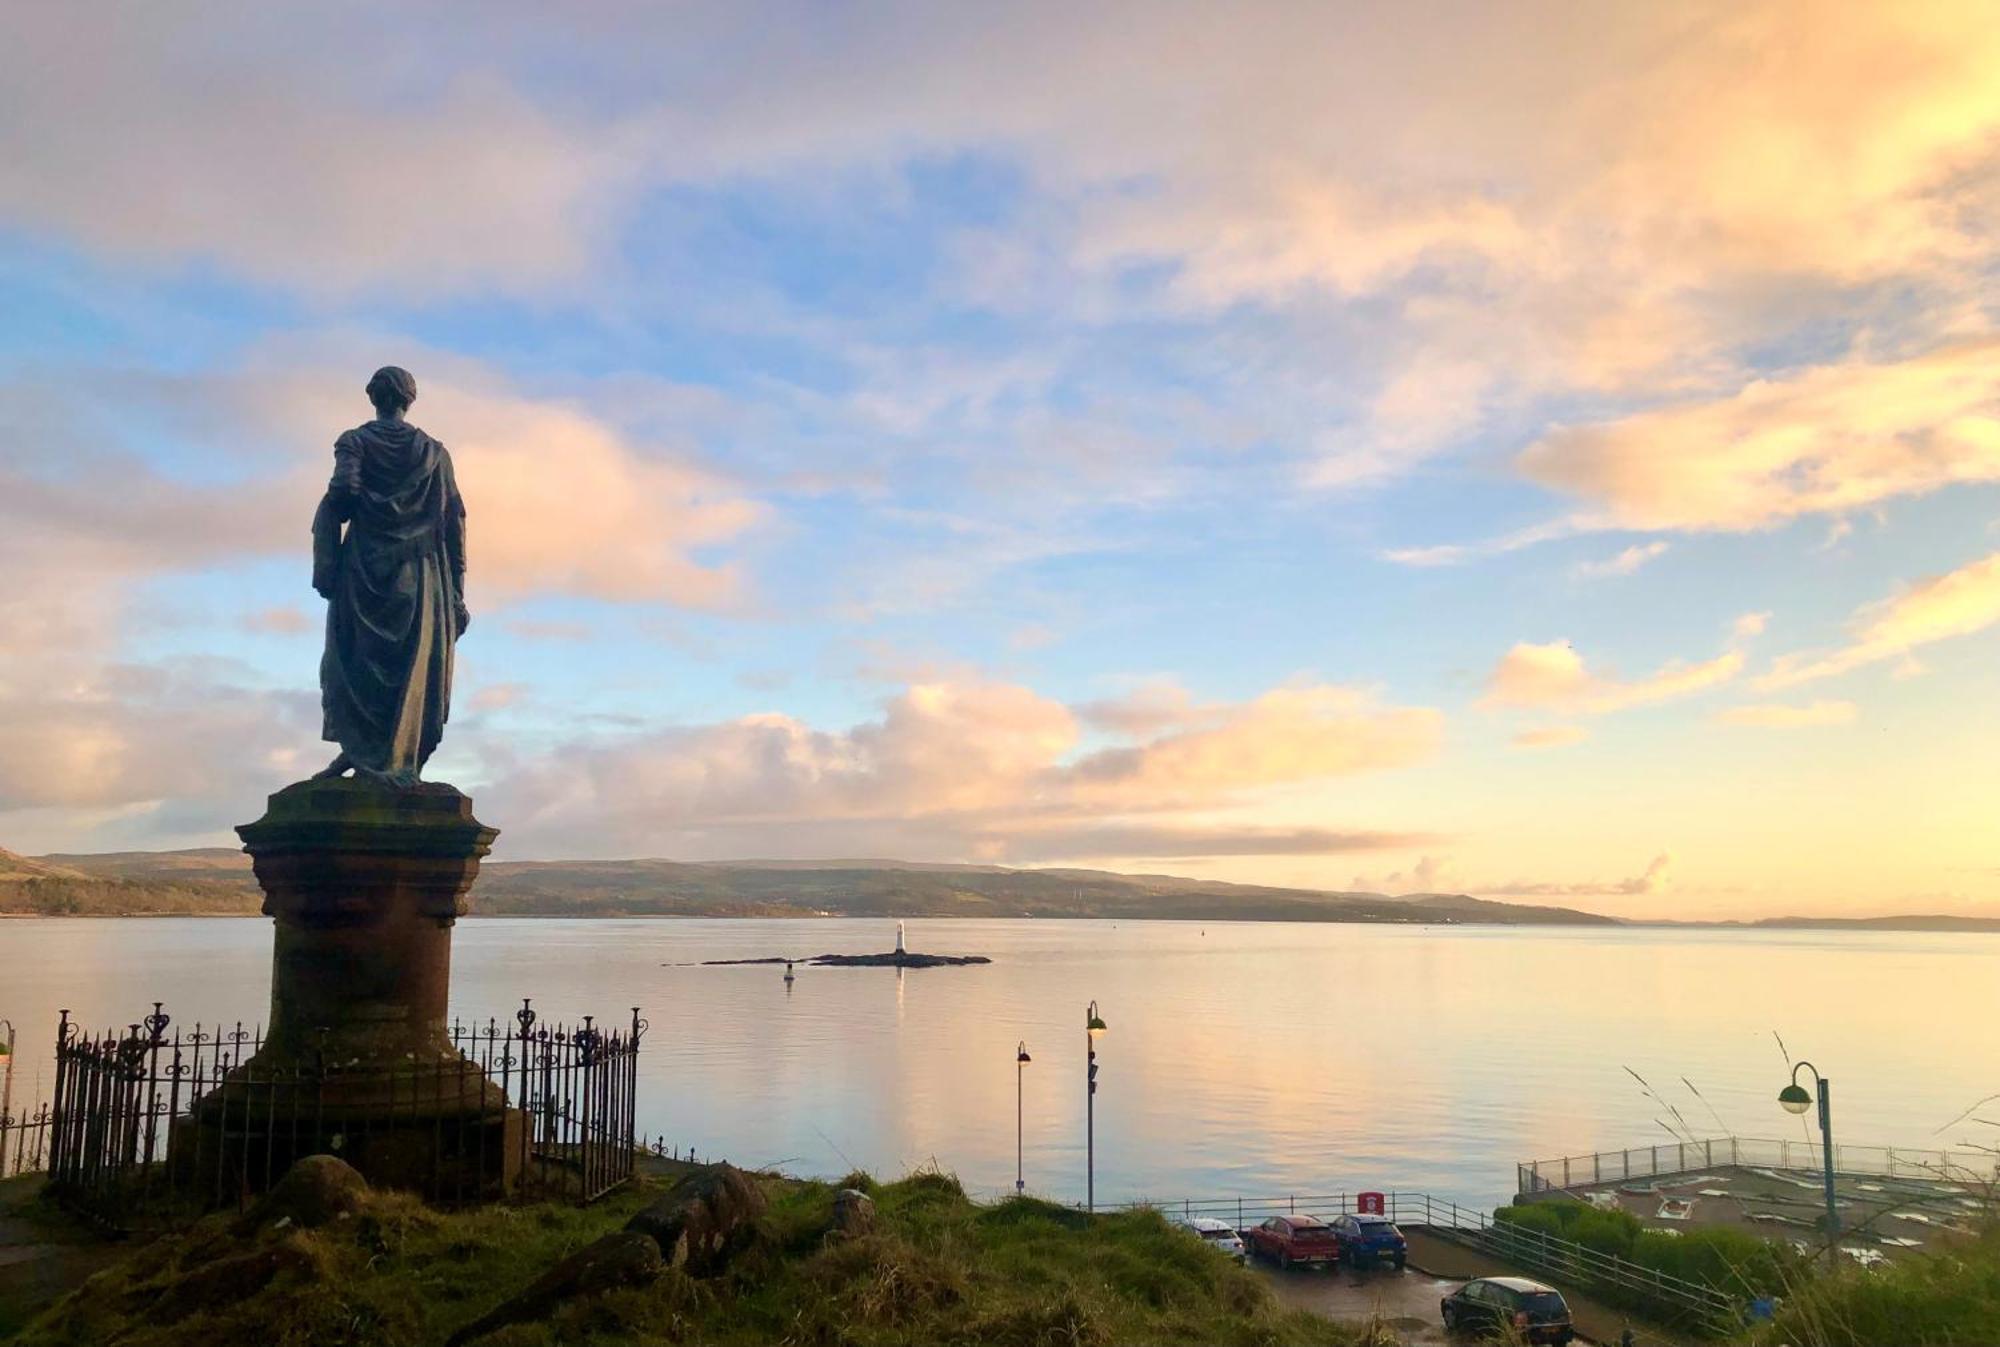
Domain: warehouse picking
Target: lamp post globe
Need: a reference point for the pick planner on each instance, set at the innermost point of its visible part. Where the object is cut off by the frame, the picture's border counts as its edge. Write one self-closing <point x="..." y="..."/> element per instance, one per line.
<point x="1795" y="1099"/>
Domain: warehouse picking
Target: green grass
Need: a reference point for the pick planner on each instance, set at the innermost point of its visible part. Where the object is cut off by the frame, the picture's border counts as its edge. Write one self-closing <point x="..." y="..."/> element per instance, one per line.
<point x="938" y="1269"/>
<point x="1731" y="1261"/>
<point x="1951" y="1296"/>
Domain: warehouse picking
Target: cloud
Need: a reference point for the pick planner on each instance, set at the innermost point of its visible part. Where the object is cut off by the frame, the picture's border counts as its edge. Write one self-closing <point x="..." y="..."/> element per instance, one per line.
<point x="1938" y="608"/>
<point x="1150" y="707"/>
<point x="268" y="153"/>
<point x="1455" y="554"/>
<point x="956" y="769"/>
<point x="1553" y="677"/>
<point x="1749" y="626"/>
<point x="1827" y="439"/>
<point x="498" y="696"/>
<point x="1551" y="736"/>
<point x="1287" y="734"/>
<point x="1172" y="843"/>
<point x="286" y="620"/>
<point x="1519" y="221"/>
<point x="1431" y="874"/>
<point x="1623" y="563"/>
<point x="560" y="501"/>
<point x="1778" y="717"/>
<point x="187" y="744"/>
<point x="1655" y="878"/>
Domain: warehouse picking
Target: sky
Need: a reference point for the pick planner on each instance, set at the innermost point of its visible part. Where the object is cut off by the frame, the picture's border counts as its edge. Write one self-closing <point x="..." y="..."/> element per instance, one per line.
<point x="1542" y="451"/>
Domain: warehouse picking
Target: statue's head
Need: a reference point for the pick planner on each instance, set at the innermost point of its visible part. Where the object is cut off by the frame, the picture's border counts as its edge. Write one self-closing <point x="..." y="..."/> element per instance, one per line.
<point x="392" y="390"/>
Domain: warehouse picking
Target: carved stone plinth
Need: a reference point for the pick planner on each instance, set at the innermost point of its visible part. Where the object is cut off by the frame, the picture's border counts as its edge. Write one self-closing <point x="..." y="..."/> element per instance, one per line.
<point x="364" y="883"/>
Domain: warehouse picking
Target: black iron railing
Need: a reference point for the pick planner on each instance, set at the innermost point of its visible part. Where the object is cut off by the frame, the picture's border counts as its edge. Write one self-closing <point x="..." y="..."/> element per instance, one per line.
<point x="155" y="1122"/>
<point x="24" y="1140"/>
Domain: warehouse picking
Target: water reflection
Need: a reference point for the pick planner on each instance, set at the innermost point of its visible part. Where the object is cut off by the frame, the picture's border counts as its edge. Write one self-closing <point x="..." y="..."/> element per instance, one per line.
<point x="1243" y="1057"/>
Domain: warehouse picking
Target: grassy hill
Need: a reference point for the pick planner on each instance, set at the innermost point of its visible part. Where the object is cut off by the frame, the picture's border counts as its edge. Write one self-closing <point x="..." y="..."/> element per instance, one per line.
<point x="217" y="881"/>
<point x="938" y="1269"/>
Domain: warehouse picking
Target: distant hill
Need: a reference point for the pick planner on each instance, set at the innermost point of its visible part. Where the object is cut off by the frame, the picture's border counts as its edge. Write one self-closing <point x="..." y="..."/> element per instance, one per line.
<point x="17" y="869"/>
<point x="217" y="881"/>
<point x="159" y="867"/>
<point x="1912" y="922"/>
<point x="209" y="882"/>
<point x="915" y="889"/>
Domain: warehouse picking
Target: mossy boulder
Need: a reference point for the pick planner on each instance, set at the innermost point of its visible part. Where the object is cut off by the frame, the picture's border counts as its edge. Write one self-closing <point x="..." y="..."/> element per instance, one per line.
<point x="316" y="1191"/>
<point x="704" y="1220"/>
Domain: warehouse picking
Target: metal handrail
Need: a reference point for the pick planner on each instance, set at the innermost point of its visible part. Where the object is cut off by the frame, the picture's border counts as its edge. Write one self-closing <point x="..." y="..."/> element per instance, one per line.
<point x="1692" y="1156"/>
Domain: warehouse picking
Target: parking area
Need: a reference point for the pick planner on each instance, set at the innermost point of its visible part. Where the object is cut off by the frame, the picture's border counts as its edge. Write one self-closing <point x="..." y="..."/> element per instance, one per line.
<point x="1406" y="1301"/>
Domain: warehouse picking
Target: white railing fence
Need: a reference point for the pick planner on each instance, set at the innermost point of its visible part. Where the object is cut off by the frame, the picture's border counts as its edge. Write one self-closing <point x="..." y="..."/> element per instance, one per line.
<point x="1691" y="1157"/>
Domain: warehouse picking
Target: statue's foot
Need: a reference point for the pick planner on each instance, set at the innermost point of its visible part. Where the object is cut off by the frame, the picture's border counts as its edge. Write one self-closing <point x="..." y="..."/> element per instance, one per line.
<point x="334" y="768"/>
<point x="398" y="778"/>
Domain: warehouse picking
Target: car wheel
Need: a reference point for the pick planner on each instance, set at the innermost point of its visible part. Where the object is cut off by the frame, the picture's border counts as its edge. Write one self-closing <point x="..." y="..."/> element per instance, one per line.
<point x="1285" y="1259"/>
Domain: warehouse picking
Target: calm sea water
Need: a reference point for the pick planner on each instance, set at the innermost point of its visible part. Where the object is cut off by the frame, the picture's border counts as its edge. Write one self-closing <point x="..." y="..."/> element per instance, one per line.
<point x="1241" y="1059"/>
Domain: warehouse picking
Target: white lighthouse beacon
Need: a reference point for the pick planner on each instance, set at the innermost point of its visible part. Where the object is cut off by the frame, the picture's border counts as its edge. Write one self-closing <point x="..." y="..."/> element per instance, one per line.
<point x="899" y="937"/>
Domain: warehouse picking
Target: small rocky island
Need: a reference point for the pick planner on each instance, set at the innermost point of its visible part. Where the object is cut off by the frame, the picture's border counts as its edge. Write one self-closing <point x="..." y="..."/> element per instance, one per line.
<point x="895" y="958"/>
<point x="899" y="957"/>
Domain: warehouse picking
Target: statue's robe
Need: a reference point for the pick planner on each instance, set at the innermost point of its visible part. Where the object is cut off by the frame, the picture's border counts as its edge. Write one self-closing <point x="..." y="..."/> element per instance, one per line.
<point x="395" y="585"/>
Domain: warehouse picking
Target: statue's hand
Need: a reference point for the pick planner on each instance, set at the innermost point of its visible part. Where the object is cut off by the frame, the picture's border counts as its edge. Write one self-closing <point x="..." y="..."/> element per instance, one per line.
<point x="462" y="616"/>
<point x="323" y="581"/>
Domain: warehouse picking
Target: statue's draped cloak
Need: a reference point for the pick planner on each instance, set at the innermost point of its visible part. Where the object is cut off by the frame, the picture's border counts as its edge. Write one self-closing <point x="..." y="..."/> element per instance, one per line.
<point x="395" y="582"/>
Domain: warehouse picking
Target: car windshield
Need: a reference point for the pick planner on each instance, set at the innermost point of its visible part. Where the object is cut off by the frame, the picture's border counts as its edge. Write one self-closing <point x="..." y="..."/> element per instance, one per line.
<point x="1221" y="1235"/>
<point x="1544" y="1305"/>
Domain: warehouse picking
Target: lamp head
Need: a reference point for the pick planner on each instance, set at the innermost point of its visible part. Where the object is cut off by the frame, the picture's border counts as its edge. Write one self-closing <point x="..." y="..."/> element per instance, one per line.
<point x="1021" y="1056"/>
<point x="1092" y="1023"/>
<point x="1794" y="1098"/>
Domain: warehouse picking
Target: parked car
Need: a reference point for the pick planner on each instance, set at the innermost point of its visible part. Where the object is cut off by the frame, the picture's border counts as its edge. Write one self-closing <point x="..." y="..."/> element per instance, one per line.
<point x="1534" y="1312"/>
<point x="1366" y="1240"/>
<point x="1217" y="1233"/>
<point x="1294" y="1241"/>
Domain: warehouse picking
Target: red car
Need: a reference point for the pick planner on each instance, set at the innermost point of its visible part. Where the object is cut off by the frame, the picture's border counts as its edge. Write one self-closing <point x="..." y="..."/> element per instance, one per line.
<point x="1294" y="1241"/>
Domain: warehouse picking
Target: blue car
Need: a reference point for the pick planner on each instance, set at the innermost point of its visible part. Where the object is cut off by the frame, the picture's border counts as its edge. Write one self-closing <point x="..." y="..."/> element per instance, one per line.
<point x="1366" y="1240"/>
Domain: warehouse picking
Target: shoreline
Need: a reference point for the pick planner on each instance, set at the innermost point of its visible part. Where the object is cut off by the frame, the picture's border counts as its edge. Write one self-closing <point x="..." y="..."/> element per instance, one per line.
<point x="1856" y="925"/>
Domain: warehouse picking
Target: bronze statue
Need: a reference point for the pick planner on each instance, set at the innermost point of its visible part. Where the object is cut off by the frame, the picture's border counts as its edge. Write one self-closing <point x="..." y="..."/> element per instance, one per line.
<point x="394" y="583"/>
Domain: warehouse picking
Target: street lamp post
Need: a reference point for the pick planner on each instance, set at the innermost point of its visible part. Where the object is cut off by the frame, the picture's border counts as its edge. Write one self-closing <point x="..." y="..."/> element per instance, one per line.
<point x="6" y="1093"/>
<point x="1093" y="1029"/>
<point x="1794" y="1099"/>
<point x="1021" y="1059"/>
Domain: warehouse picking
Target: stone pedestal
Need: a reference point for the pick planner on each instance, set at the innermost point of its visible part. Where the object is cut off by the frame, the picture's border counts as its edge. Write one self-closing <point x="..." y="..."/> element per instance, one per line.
<point x="364" y="883"/>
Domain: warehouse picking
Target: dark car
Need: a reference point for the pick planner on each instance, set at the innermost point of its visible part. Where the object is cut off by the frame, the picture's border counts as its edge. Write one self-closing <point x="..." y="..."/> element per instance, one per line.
<point x="1534" y="1312"/>
<point x="1366" y="1240"/>
<point x="1293" y="1241"/>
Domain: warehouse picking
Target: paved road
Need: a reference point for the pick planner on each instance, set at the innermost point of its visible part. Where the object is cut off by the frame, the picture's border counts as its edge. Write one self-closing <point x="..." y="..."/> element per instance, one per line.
<point x="1408" y="1301"/>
